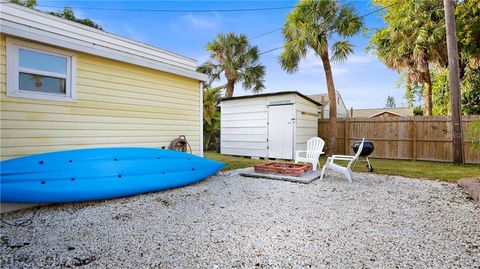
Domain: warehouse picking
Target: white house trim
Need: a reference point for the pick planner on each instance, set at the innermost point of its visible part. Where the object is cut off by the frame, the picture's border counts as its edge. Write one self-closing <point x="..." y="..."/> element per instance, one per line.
<point x="13" y="70"/>
<point x="27" y="23"/>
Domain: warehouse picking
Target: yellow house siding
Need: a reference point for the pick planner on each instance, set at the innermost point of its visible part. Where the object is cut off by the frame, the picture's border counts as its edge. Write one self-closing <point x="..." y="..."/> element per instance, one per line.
<point x="118" y="104"/>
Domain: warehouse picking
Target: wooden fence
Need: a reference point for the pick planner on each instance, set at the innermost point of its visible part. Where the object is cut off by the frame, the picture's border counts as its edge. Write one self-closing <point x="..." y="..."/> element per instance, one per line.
<point x="408" y="138"/>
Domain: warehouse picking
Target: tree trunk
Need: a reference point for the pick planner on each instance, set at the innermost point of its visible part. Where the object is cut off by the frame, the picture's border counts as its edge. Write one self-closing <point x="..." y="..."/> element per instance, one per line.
<point x="427" y="92"/>
<point x="230" y="86"/>
<point x="454" y="80"/>
<point x="332" y="121"/>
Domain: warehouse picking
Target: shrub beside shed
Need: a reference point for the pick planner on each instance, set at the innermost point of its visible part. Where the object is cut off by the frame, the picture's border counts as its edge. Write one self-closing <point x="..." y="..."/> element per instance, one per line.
<point x="271" y="125"/>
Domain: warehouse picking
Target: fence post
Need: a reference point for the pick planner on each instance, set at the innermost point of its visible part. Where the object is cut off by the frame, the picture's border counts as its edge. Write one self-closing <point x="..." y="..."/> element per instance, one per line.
<point x="346" y="135"/>
<point x="414" y="140"/>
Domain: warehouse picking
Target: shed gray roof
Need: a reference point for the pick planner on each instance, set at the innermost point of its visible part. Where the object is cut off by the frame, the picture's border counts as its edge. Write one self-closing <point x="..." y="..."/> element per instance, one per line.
<point x="271" y="94"/>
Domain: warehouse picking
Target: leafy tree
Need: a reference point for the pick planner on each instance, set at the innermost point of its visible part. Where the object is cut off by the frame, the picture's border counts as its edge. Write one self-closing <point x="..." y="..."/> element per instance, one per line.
<point x="467" y="13"/>
<point x="26" y="3"/>
<point x="233" y="56"/>
<point x="412" y="40"/>
<point x="418" y="111"/>
<point x="68" y="14"/>
<point x="471" y="92"/>
<point x="473" y="134"/>
<point x="410" y="22"/>
<point x="441" y="93"/>
<point x="311" y="26"/>
<point x="470" y="87"/>
<point x="390" y="102"/>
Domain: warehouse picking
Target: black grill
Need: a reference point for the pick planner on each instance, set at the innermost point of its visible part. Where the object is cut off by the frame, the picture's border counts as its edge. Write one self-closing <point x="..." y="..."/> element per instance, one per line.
<point x="366" y="151"/>
<point x="368" y="147"/>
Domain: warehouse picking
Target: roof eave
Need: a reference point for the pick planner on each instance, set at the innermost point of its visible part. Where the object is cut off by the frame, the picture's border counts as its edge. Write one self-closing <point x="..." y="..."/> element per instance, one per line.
<point x="36" y="28"/>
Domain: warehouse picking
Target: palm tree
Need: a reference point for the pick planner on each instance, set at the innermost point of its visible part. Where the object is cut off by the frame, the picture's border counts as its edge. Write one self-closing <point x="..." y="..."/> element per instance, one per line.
<point x="233" y="56"/>
<point x="413" y="40"/>
<point x="211" y="116"/>
<point x="311" y="25"/>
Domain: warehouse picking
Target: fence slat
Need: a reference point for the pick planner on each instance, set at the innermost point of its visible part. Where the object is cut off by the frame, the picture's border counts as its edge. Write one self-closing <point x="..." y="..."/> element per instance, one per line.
<point x="411" y="138"/>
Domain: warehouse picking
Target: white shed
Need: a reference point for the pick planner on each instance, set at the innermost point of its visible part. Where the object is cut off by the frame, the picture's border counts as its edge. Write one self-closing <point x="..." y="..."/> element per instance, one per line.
<point x="271" y="125"/>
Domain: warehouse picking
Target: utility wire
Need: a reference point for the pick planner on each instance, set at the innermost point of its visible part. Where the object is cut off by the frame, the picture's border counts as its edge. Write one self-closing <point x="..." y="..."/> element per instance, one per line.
<point x="175" y="10"/>
<point x="270" y="50"/>
<point x="266" y="33"/>
<point x="180" y="10"/>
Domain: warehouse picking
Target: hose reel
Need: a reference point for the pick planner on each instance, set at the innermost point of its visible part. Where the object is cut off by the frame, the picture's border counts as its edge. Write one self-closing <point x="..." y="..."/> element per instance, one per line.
<point x="180" y="144"/>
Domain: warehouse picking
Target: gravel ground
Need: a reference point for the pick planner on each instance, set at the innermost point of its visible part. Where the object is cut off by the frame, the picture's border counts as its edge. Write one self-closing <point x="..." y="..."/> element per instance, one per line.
<point x="230" y="221"/>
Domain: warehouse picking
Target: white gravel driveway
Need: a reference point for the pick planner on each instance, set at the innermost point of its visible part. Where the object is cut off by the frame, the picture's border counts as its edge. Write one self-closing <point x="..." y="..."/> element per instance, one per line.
<point x="230" y="221"/>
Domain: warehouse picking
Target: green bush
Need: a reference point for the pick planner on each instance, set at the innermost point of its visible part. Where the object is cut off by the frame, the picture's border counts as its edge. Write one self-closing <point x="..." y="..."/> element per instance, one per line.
<point x="473" y="134"/>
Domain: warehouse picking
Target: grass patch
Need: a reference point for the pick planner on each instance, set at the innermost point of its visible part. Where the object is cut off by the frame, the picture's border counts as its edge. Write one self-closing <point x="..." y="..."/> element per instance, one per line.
<point x="232" y="162"/>
<point x="419" y="169"/>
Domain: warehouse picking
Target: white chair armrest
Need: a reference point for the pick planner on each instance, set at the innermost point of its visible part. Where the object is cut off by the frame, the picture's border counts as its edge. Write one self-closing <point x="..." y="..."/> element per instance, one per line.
<point x="342" y="159"/>
<point x="343" y="156"/>
<point x="297" y="154"/>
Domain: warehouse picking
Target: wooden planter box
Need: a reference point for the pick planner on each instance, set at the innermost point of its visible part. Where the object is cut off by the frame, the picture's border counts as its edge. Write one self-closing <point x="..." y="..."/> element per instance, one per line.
<point x="289" y="169"/>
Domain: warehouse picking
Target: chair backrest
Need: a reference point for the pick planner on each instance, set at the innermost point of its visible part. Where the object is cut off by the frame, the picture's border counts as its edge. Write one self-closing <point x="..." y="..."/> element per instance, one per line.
<point x="314" y="146"/>
<point x="359" y="151"/>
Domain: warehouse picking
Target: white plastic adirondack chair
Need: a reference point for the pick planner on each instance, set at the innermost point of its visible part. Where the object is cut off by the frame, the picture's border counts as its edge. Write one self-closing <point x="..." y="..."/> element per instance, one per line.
<point x="347" y="171"/>
<point x="313" y="152"/>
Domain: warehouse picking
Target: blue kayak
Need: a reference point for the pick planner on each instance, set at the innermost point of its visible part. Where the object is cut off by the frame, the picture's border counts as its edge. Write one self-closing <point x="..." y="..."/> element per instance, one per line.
<point x="100" y="173"/>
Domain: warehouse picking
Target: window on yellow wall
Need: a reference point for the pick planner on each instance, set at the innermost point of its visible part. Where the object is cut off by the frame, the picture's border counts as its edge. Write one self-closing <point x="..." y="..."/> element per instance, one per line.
<point x="39" y="72"/>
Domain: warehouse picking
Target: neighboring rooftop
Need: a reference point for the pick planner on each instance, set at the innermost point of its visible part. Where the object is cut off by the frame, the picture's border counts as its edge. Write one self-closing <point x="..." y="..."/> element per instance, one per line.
<point x="342" y="110"/>
<point x="372" y="112"/>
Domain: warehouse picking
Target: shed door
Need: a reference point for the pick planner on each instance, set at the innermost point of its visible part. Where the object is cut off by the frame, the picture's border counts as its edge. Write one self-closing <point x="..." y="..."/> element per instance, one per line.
<point x="281" y="121"/>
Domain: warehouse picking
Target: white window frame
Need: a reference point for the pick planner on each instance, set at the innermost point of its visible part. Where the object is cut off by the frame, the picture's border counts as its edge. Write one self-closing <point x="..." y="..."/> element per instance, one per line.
<point x="13" y="70"/>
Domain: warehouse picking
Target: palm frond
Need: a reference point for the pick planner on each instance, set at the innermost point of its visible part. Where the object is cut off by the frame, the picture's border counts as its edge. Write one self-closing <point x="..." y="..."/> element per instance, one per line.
<point x="252" y="78"/>
<point x="348" y="23"/>
<point x="340" y="51"/>
<point x="234" y="57"/>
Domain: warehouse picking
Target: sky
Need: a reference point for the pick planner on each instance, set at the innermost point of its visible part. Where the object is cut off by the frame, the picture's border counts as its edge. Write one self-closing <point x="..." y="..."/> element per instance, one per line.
<point x="363" y="81"/>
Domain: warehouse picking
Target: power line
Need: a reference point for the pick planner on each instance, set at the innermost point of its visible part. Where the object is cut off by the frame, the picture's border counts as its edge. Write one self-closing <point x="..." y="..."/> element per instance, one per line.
<point x="174" y="10"/>
<point x="266" y="33"/>
<point x="267" y="51"/>
<point x="379" y="9"/>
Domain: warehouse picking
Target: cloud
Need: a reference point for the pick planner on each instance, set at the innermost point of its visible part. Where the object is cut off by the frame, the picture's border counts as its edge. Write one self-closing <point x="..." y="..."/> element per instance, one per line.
<point x="203" y="57"/>
<point x="360" y="59"/>
<point x="132" y="33"/>
<point x="212" y="21"/>
<point x="79" y="13"/>
<point x="313" y="64"/>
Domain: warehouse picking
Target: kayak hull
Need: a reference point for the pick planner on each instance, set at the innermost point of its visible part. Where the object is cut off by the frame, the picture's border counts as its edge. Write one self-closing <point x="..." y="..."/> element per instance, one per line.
<point x="97" y="174"/>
